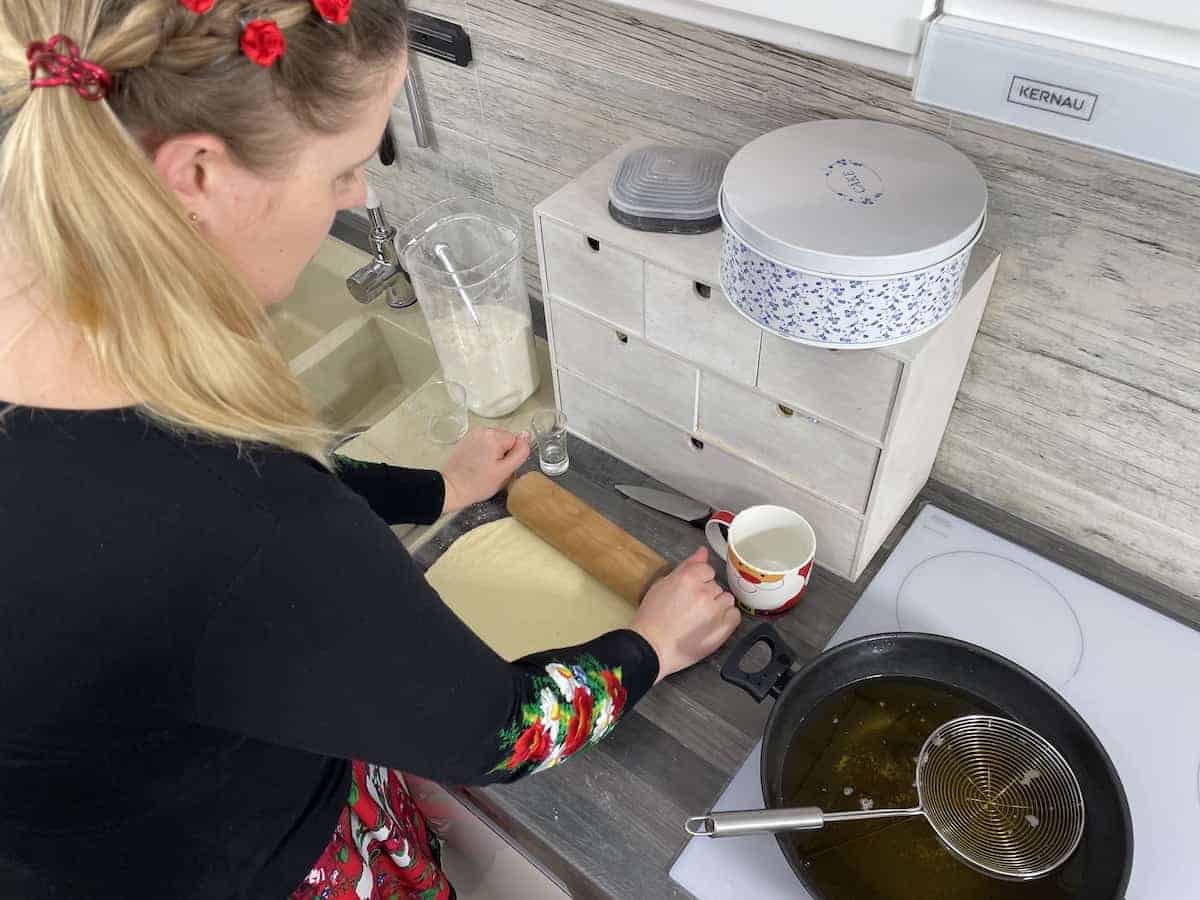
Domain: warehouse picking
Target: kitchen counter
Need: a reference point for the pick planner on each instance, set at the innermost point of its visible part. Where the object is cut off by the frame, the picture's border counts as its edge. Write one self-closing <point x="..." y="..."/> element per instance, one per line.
<point x="608" y="824"/>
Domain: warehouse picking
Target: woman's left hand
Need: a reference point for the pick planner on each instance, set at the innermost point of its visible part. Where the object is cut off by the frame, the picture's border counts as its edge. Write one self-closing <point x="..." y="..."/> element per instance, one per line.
<point x="481" y="464"/>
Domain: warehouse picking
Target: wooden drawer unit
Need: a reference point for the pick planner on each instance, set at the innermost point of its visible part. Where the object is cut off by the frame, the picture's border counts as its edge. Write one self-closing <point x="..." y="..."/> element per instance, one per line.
<point x="653" y="364"/>
<point x="701" y="470"/>
<point x="625" y="365"/>
<point x="593" y="275"/>
<point x="853" y="388"/>
<point x="694" y="319"/>
<point x="786" y="440"/>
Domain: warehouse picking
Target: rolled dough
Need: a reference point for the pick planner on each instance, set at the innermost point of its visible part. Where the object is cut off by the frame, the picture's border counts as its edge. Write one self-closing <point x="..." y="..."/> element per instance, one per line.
<point x="520" y="595"/>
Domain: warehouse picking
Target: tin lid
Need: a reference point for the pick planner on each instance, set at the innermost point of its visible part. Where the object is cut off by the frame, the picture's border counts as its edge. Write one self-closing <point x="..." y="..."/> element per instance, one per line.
<point x="853" y="198"/>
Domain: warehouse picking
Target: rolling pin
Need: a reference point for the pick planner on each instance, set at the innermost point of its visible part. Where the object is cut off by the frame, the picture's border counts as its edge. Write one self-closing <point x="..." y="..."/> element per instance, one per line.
<point x="607" y="552"/>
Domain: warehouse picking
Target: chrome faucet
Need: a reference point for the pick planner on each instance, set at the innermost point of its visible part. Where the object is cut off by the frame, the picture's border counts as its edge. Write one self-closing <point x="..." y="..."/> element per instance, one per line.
<point x="383" y="274"/>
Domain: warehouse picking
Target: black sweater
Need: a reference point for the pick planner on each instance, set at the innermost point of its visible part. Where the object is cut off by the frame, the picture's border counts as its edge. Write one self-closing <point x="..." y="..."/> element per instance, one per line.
<point x="193" y="642"/>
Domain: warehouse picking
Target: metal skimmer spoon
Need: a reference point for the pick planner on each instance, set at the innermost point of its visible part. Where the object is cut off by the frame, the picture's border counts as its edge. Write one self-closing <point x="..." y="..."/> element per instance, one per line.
<point x="998" y="795"/>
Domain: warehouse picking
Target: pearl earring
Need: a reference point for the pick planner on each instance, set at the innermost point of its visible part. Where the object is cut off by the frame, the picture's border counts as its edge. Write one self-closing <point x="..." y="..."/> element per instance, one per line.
<point x="194" y="217"/>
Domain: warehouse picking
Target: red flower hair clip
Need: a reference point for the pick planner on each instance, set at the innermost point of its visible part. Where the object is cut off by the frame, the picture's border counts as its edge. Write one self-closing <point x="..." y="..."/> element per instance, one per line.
<point x="335" y="12"/>
<point x="199" y="7"/>
<point x="263" y="42"/>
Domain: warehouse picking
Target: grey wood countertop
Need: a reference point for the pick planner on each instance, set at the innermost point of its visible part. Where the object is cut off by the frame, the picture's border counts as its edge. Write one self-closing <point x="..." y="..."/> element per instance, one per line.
<point x="609" y="823"/>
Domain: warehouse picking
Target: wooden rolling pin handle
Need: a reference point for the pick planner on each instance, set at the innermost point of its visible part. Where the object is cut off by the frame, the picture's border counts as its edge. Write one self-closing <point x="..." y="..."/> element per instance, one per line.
<point x="606" y="551"/>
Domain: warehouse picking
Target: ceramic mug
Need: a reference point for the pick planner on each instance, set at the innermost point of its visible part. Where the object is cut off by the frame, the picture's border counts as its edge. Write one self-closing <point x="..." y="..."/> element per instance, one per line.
<point x="768" y="555"/>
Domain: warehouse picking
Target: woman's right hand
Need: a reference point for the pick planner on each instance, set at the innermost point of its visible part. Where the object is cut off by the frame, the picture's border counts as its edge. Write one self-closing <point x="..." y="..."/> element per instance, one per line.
<point x="686" y="616"/>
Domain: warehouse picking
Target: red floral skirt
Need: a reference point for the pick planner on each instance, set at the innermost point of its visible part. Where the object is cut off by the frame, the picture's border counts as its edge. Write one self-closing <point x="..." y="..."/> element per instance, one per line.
<point x="382" y="848"/>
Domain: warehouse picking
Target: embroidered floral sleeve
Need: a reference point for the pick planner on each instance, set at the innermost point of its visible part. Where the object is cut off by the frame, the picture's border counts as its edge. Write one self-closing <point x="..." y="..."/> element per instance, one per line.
<point x="568" y="707"/>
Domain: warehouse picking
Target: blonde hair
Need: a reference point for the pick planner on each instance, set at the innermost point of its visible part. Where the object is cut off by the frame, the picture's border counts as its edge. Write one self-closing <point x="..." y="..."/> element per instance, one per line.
<point x="163" y="313"/>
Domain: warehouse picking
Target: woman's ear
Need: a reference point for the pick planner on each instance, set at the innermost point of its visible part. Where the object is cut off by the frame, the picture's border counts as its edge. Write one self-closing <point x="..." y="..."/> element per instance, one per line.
<point x="189" y="166"/>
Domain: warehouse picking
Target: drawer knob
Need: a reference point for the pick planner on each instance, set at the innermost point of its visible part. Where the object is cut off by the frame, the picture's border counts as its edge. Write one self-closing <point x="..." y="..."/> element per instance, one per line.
<point x="594" y="244"/>
<point x="697" y="444"/>
<point x="703" y="290"/>
<point x="786" y="411"/>
<point x="622" y="337"/>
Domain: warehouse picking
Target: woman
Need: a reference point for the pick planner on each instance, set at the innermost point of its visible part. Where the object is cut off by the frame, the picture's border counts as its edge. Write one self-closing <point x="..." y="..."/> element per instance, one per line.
<point x="215" y="658"/>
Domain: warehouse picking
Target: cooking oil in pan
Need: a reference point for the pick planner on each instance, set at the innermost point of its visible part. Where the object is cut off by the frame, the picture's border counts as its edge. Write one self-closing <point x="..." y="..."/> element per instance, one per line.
<point x="858" y="750"/>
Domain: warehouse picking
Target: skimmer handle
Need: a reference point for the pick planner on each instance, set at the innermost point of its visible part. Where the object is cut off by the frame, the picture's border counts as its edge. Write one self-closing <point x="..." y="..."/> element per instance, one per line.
<point x="749" y="821"/>
<point x="796" y="818"/>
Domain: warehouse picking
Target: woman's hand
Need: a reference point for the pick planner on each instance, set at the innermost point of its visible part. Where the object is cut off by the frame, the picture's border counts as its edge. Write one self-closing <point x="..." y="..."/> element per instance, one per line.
<point x="686" y="616"/>
<point x="481" y="464"/>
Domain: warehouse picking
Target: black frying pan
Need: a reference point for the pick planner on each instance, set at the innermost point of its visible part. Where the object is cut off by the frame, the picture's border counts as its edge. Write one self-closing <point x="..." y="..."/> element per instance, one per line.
<point x="1099" y="870"/>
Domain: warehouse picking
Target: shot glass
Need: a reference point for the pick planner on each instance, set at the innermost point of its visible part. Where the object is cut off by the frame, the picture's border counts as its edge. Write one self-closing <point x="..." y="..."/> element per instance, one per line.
<point x="444" y="407"/>
<point x="549" y="428"/>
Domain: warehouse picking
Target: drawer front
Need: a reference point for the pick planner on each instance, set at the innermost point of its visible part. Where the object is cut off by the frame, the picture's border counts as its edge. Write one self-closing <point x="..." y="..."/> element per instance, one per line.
<point x="695" y="320"/>
<point x="704" y="472"/>
<point x="594" y="276"/>
<point x="854" y="388"/>
<point x="624" y="365"/>
<point x="797" y="446"/>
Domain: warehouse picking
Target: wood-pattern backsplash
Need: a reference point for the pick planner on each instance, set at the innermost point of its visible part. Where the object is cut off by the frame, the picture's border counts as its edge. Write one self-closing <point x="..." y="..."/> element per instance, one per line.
<point x="1080" y="410"/>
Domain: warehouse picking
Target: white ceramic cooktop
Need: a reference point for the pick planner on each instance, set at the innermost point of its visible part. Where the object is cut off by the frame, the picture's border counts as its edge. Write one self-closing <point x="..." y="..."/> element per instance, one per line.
<point x="1129" y="671"/>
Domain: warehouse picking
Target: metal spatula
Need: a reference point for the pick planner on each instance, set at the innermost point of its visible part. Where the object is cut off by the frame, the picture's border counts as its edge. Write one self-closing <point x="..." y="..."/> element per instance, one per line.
<point x="997" y="794"/>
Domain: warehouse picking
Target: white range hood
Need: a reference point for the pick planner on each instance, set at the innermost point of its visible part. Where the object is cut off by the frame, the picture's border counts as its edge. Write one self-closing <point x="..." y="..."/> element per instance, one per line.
<point x="1140" y="106"/>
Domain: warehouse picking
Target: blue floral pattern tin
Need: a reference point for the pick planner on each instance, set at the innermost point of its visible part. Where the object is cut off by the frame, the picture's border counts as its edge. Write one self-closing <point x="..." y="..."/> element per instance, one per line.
<point x="847" y="232"/>
<point x="827" y="311"/>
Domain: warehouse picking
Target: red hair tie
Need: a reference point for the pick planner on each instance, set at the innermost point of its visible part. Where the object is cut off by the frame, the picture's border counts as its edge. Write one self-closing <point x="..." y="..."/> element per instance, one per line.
<point x="91" y="81"/>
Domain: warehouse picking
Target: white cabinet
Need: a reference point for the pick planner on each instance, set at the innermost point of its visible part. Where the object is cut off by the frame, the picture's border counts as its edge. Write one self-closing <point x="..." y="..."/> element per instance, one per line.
<point x="1115" y="82"/>
<point x="1184" y="13"/>
<point x="701" y="469"/>
<point x="1159" y="29"/>
<point x="803" y="448"/>
<point x="882" y="34"/>
<point x="895" y="24"/>
<point x="886" y="34"/>
<point x="652" y="364"/>
<point x="480" y="863"/>
<point x="682" y="313"/>
<point x="617" y="361"/>
<point x="600" y="279"/>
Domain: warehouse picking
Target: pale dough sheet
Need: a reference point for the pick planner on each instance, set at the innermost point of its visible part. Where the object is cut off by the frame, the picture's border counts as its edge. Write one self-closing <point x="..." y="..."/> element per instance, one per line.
<point x="520" y="594"/>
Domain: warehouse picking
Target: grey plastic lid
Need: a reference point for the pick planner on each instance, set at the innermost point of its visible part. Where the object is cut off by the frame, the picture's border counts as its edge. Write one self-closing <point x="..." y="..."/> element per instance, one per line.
<point x="853" y="198"/>
<point x="679" y="184"/>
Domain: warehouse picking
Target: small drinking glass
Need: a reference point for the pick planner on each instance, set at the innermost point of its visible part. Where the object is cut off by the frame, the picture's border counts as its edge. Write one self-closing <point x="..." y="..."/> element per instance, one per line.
<point x="443" y="404"/>
<point x="550" y="433"/>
